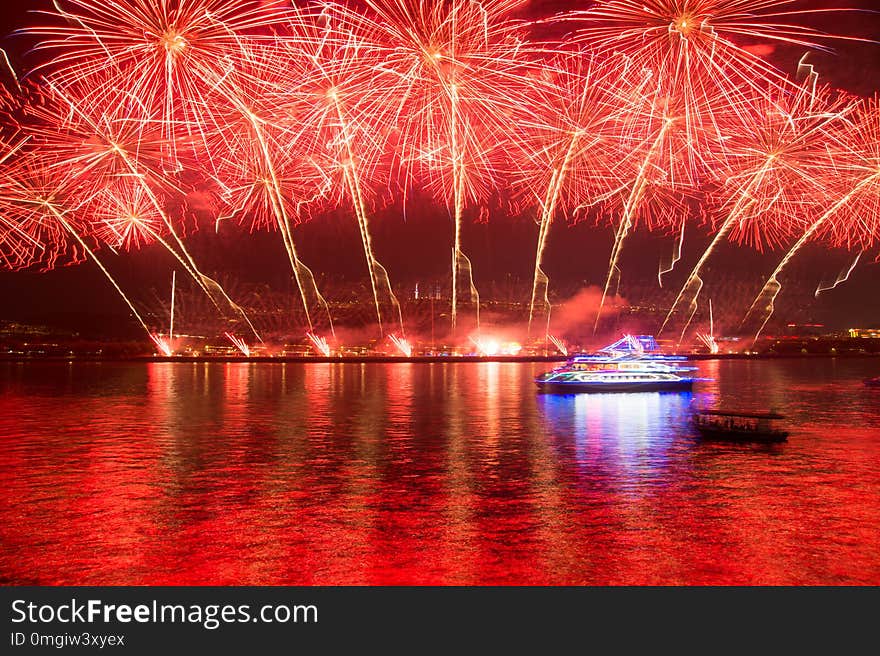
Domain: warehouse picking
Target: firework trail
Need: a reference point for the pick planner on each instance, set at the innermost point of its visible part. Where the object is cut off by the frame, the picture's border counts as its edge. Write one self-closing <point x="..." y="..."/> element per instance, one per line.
<point x="558" y="343"/>
<point x="173" y="289"/>
<point x="320" y="344"/>
<point x="240" y="344"/>
<point x="345" y="118"/>
<point x="842" y="278"/>
<point x="676" y="256"/>
<point x="570" y="138"/>
<point x="402" y="345"/>
<point x="663" y="185"/>
<point x="708" y="339"/>
<point x="164" y="345"/>
<point x="854" y="181"/>
<point x="633" y="199"/>
<point x="456" y="68"/>
<point x="256" y="173"/>
<point x="779" y="163"/>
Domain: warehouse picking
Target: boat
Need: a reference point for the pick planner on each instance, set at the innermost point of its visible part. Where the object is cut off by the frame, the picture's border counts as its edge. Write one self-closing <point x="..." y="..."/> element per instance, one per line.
<point x="631" y="364"/>
<point x="739" y="426"/>
<point x="872" y="382"/>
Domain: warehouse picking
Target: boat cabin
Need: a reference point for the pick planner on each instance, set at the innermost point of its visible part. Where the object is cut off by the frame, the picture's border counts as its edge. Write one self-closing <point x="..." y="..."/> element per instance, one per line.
<point x="740" y="425"/>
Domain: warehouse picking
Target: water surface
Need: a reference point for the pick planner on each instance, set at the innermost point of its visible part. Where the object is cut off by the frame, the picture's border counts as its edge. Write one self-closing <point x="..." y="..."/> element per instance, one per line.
<point x="173" y="473"/>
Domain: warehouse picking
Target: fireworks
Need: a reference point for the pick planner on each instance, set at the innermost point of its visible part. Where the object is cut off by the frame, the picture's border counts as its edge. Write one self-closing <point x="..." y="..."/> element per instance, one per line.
<point x="701" y="78"/>
<point x="492" y="346"/>
<point x="123" y="216"/>
<point x="402" y="345"/>
<point x="708" y="339"/>
<point x="698" y="47"/>
<point x="558" y="343"/>
<point x="96" y="147"/>
<point x="39" y="223"/>
<point x="320" y="344"/>
<point x="346" y="103"/>
<point x="778" y="169"/>
<point x="572" y="143"/>
<point x="31" y="233"/>
<point x="456" y="68"/>
<point x="842" y="278"/>
<point x="240" y="344"/>
<point x="163" y="345"/>
<point x="656" y="112"/>
<point x="165" y="53"/>
<point x="262" y="179"/>
<point x="852" y="198"/>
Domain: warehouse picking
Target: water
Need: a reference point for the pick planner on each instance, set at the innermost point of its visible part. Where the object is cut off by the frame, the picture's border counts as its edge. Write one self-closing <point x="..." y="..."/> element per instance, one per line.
<point x="442" y="473"/>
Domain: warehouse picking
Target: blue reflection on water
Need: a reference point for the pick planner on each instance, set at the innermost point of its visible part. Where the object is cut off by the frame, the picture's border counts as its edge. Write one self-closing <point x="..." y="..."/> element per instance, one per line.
<point x="631" y="417"/>
<point x="627" y="435"/>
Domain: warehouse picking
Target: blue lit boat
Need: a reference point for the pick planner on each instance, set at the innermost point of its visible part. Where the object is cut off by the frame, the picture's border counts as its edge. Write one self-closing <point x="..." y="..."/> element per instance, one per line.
<point x="631" y="364"/>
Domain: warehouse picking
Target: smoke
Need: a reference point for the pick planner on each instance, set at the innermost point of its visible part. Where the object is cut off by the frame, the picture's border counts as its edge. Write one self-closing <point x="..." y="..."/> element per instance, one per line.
<point x="574" y="318"/>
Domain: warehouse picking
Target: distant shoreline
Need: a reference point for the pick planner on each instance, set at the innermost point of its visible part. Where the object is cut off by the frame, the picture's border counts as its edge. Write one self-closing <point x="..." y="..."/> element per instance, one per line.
<point x="395" y="359"/>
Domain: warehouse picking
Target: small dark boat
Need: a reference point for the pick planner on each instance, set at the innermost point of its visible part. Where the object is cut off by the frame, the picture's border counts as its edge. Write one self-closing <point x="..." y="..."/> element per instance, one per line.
<point x="872" y="382"/>
<point x="739" y="426"/>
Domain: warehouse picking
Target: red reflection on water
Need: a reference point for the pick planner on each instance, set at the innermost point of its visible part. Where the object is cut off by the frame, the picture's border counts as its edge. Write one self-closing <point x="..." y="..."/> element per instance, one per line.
<point x="173" y="473"/>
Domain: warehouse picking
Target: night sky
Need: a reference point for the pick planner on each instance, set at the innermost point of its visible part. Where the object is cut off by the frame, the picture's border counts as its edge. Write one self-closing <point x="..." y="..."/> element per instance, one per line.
<point x="415" y="248"/>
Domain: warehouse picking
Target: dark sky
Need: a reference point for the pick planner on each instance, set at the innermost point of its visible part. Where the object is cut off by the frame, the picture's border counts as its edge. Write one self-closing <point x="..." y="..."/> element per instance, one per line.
<point x="502" y="249"/>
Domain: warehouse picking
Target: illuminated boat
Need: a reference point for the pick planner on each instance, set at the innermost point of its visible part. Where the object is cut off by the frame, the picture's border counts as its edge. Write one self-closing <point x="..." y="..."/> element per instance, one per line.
<point x="872" y="382"/>
<point x="631" y="364"/>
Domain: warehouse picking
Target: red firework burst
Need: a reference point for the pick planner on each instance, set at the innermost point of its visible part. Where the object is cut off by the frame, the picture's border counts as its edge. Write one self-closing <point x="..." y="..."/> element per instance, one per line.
<point x="570" y="135"/>
<point x="123" y="217"/>
<point x="457" y="70"/>
<point x="265" y="172"/>
<point x="38" y="227"/>
<point x="852" y="219"/>
<point x="111" y="158"/>
<point x="167" y="53"/>
<point x="781" y="164"/>
<point x="698" y="51"/>
<point x="342" y="108"/>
